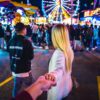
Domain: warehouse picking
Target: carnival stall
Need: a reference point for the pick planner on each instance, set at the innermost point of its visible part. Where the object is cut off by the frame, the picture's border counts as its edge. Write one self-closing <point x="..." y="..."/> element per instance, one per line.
<point x="91" y="17"/>
<point x="13" y="12"/>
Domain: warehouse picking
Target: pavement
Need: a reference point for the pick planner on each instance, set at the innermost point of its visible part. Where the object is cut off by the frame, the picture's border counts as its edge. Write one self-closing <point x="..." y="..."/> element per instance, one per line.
<point x="86" y="69"/>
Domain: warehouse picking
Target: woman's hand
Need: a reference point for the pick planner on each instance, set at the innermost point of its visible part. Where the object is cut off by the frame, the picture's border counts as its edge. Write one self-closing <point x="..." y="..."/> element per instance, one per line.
<point x="50" y="77"/>
<point x="46" y="84"/>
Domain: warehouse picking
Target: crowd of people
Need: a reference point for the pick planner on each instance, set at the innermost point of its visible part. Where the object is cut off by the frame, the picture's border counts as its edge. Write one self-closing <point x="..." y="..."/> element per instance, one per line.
<point x="81" y="37"/>
<point x="84" y="38"/>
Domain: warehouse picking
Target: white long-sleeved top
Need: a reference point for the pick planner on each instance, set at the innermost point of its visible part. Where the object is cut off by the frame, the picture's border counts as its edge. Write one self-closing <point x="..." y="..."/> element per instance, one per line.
<point x="63" y="78"/>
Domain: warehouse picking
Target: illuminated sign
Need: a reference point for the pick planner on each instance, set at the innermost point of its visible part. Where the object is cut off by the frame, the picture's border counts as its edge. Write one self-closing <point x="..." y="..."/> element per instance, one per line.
<point x="91" y="12"/>
<point x="41" y="20"/>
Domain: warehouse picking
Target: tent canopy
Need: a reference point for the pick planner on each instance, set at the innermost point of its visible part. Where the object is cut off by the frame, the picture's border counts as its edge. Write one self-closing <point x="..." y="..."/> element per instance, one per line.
<point x="28" y="8"/>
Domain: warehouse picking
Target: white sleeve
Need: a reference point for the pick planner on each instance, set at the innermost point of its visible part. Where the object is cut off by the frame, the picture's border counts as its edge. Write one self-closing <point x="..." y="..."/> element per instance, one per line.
<point x="59" y="66"/>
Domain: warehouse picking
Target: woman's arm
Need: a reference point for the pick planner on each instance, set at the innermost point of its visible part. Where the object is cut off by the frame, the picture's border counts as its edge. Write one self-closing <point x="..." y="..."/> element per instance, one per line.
<point x="59" y="67"/>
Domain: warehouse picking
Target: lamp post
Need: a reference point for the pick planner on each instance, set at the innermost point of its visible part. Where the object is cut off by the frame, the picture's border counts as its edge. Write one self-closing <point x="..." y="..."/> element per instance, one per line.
<point x="28" y="2"/>
<point x="59" y="14"/>
<point x="71" y="12"/>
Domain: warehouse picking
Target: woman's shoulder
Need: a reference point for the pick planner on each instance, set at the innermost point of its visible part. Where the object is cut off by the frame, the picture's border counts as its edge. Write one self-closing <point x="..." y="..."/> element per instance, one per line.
<point x="59" y="53"/>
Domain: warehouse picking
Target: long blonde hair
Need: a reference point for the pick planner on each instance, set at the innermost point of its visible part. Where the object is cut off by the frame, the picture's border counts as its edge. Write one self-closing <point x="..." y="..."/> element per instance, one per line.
<point x="60" y="39"/>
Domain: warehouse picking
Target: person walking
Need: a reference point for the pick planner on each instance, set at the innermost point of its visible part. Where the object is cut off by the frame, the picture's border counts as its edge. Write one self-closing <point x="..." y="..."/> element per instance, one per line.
<point x="77" y="39"/>
<point x="8" y="34"/>
<point x="95" y="37"/>
<point x="1" y="37"/>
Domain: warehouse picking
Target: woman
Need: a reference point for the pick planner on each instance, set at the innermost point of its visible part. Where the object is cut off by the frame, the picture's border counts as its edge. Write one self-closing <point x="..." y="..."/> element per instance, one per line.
<point x="60" y="65"/>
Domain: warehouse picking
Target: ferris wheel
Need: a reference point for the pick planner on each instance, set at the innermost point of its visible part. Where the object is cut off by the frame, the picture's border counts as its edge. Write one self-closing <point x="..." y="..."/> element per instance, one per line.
<point x="58" y="10"/>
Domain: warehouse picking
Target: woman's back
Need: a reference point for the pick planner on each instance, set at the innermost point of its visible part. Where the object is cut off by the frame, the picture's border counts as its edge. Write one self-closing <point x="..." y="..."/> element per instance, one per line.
<point x="57" y="67"/>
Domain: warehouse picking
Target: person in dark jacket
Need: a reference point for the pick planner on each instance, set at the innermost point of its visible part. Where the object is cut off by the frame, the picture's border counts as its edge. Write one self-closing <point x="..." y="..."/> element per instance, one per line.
<point x="8" y="34"/>
<point x="21" y="54"/>
<point x="1" y="37"/>
<point x="77" y="37"/>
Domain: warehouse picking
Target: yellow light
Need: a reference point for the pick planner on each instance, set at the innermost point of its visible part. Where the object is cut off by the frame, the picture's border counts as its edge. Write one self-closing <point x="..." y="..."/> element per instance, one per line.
<point x="65" y="14"/>
<point x="58" y="2"/>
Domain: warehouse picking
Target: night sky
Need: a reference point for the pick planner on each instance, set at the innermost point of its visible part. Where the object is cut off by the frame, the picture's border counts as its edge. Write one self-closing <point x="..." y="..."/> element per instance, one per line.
<point x="33" y="2"/>
<point x="84" y="4"/>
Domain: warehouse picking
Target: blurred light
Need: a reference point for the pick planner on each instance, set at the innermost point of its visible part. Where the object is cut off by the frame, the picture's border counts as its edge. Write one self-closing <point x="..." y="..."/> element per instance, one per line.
<point x="20" y="11"/>
<point x="1" y="10"/>
<point x="92" y="3"/>
<point x="85" y="5"/>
